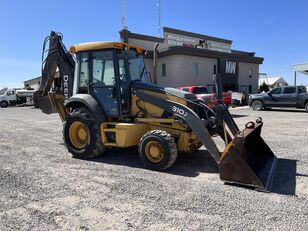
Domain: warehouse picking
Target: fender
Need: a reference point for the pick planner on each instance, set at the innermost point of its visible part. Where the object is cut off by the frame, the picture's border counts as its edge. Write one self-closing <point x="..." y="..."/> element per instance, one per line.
<point x="89" y="102"/>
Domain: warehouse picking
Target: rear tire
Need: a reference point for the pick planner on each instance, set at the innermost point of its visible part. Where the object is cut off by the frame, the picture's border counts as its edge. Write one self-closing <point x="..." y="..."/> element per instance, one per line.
<point x="82" y="135"/>
<point x="157" y="150"/>
<point x="257" y="105"/>
<point x="4" y="104"/>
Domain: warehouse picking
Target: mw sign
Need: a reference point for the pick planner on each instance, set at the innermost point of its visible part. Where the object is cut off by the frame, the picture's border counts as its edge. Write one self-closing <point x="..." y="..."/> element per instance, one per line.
<point x="230" y="67"/>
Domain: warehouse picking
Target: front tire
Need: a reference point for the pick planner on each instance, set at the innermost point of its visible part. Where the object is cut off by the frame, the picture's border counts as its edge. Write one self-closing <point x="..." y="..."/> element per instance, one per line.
<point x="257" y="105"/>
<point x="306" y="107"/>
<point x="82" y="135"/>
<point x="4" y="104"/>
<point x="157" y="150"/>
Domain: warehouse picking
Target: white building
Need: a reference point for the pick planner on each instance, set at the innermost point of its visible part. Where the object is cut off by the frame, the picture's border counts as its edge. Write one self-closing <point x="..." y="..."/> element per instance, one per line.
<point x="273" y="82"/>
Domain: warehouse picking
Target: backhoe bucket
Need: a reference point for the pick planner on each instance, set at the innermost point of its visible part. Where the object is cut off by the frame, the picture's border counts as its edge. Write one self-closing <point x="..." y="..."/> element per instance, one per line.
<point x="247" y="160"/>
<point x="46" y="104"/>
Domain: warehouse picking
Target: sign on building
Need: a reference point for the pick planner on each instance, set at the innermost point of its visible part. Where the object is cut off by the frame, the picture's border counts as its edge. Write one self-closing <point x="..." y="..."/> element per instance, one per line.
<point x="186" y="41"/>
<point x="230" y="67"/>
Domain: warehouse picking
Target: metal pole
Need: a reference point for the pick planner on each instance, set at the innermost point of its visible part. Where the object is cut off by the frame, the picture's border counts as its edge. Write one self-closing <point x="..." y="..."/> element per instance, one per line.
<point x="294" y="78"/>
<point x="155" y="62"/>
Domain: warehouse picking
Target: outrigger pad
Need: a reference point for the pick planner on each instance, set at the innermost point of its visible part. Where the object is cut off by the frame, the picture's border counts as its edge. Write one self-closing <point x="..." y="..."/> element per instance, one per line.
<point x="247" y="160"/>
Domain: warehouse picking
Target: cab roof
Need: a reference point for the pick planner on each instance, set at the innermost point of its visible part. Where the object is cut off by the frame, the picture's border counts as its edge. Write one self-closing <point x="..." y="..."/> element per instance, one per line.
<point x="104" y="45"/>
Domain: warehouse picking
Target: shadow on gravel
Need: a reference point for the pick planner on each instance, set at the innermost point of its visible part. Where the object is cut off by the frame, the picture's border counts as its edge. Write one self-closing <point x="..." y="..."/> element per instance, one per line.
<point x="286" y="110"/>
<point x="189" y="165"/>
<point x="284" y="181"/>
<point x="237" y="116"/>
<point x="193" y="164"/>
<point x="303" y="175"/>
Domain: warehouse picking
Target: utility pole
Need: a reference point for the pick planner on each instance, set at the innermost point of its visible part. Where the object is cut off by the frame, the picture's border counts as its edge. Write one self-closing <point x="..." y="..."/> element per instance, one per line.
<point x="158" y="18"/>
<point x="123" y="14"/>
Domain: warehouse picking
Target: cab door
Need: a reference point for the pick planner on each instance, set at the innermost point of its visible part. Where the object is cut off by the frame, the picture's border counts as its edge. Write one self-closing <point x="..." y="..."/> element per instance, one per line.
<point x="11" y="95"/>
<point x="103" y="82"/>
<point x="289" y="97"/>
<point x="273" y="98"/>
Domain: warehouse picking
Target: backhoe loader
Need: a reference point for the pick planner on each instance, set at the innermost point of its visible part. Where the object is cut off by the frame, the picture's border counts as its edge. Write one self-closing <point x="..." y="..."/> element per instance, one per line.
<point x="105" y="100"/>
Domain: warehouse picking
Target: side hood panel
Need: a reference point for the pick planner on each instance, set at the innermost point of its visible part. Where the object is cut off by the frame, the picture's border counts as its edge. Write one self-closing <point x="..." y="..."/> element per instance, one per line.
<point x="167" y="90"/>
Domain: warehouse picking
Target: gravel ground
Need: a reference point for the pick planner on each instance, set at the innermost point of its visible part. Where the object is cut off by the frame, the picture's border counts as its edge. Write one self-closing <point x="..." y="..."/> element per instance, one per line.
<point x="43" y="188"/>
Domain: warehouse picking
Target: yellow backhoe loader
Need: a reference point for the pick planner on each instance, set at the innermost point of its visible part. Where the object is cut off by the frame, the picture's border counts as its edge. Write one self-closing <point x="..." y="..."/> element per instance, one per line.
<point x="105" y="100"/>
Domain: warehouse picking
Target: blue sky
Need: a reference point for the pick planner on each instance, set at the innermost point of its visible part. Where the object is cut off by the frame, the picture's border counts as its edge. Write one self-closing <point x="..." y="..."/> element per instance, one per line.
<point x="275" y="30"/>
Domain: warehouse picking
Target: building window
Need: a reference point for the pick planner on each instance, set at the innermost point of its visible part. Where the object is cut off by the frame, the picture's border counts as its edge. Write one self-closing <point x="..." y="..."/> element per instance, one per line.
<point x="164" y="69"/>
<point x="230" y="67"/>
<point x="250" y="72"/>
<point x="195" y="69"/>
<point x="250" y="89"/>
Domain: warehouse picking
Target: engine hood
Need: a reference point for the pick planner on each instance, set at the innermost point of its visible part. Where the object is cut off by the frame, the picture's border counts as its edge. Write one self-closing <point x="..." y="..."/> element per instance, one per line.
<point x="259" y="96"/>
<point x="138" y="85"/>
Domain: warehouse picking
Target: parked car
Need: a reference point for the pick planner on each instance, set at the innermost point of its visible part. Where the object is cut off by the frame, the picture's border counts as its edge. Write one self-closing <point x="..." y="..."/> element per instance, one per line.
<point x="202" y="93"/>
<point x="280" y="97"/>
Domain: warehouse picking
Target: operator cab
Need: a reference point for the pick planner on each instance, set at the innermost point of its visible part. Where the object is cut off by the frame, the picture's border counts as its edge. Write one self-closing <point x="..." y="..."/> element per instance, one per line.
<point x="106" y="71"/>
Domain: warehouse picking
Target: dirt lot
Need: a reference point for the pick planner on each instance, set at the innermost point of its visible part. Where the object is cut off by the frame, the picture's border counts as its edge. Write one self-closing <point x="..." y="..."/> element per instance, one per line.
<point x="43" y="188"/>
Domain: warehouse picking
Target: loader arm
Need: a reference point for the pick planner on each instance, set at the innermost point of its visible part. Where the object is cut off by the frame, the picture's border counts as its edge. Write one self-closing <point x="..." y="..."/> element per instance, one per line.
<point x="53" y="91"/>
<point x="196" y="124"/>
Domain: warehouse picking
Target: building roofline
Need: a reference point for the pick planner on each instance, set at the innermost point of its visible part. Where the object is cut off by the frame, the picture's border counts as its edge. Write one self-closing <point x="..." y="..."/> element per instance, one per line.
<point x="33" y="78"/>
<point x="191" y="34"/>
<point x="178" y="50"/>
<point x="243" y="53"/>
<point x="125" y="34"/>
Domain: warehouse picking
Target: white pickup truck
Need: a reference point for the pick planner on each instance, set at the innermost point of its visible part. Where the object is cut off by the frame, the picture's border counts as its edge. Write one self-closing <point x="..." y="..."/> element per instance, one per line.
<point x="14" y="97"/>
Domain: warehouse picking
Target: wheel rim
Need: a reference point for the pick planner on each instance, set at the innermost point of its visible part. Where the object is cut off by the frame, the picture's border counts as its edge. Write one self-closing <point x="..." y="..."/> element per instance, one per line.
<point x="78" y="134"/>
<point x="154" y="151"/>
<point x="257" y="105"/>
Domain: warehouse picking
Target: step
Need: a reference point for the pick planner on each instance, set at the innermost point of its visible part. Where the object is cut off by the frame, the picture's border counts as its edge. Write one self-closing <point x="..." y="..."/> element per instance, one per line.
<point x="109" y="130"/>
<point x="110" y="144"/>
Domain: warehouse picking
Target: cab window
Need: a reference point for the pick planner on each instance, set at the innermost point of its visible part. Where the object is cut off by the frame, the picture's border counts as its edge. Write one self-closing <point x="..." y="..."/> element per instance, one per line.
<point x="289" y="90"/>
<point x="302" y="90"/>
<point x="135" y="64"/>
<point x="200" y="90"/>
<point x="276" y="91"/>
<point x="103" y="68"/>
<point x="10" y="93"/>
<point x="83" y="72"/>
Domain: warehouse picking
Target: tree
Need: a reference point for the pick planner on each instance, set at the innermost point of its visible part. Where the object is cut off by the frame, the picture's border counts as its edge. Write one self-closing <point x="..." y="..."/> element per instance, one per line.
<point x="264" y="87"/>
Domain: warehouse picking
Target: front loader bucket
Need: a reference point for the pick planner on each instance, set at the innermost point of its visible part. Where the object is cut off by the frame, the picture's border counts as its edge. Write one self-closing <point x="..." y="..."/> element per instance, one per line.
<point x="247" y="160"/>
